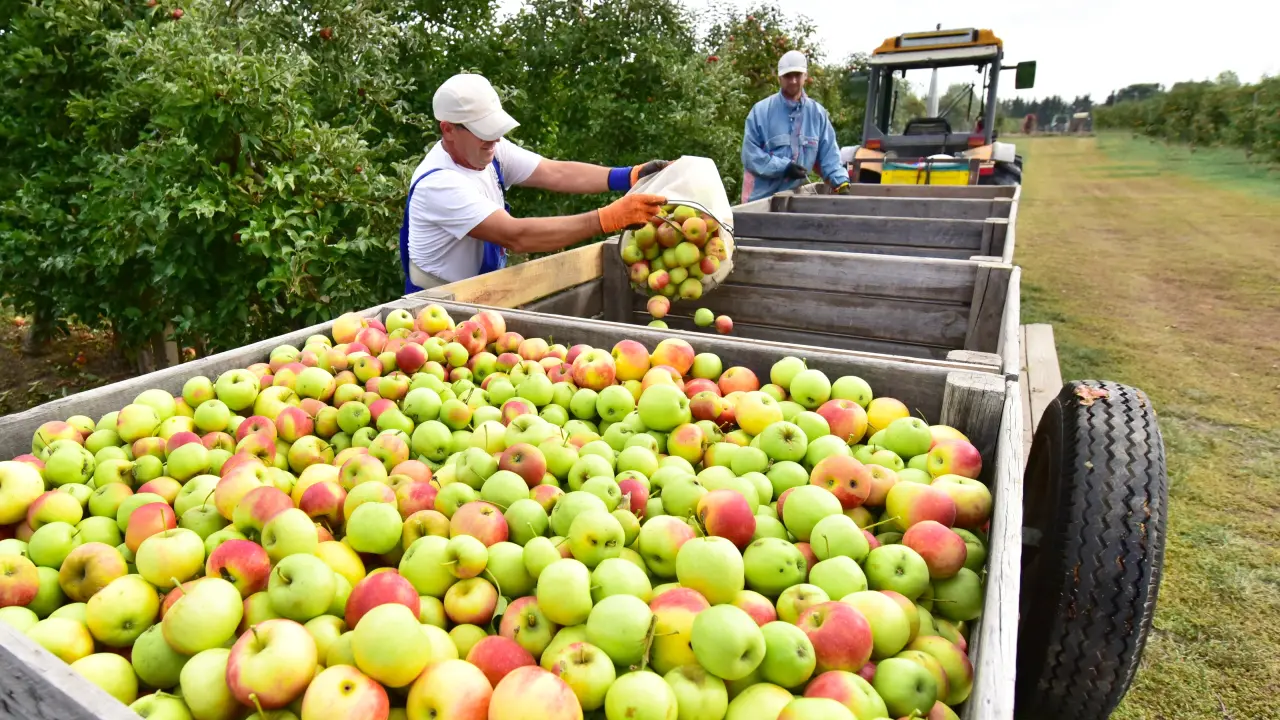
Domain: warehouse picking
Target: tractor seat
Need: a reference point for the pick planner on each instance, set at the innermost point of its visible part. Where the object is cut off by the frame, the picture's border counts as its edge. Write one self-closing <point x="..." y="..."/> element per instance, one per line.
<point x="927" y="126"/>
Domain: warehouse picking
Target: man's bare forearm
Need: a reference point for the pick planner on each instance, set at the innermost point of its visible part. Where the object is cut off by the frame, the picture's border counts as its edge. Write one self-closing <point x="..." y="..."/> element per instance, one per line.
<point x="538" y="234"/>
<point x="569" y="177"/>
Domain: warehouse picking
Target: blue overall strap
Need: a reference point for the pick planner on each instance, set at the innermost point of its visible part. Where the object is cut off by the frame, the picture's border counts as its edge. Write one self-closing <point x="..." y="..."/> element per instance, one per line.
<point x="409" y="287"/>
<point x="495" y="256"/>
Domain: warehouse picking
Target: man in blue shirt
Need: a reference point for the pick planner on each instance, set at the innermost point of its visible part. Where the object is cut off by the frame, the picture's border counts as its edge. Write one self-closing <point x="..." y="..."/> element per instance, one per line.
<point x="786" y="134"/>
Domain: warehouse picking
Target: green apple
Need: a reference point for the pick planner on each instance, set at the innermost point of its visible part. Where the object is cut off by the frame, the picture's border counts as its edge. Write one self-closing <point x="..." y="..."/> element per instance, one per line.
<point x="958" y="598"/>
<point x="906" y="687"/>
<point x="805" y="506"/>
<point x="161" y="706"/>
<point x="119" y="613"/>
<point x="810" y="388"/>
<point x="51" y="544"/>
<point x="759" y="702"/>
<point x="663" y="407"/>
<point x="712" y="566"/>
<point x="641" y="695"/>
<point x="300" y="588"/>
<point x="699" y="694"/>
<point x="897" y="568"/>
<point x="564" y="592"/>
<point x="786" y="475"/>
<point x="771" y="565"/>
<point x="789" y="659"/>
<point x="538" y="554"/>
<point x="506" y="567"/>
<point x="838" y="576"/>
<point x="157" y="664"/>
<point x="586" y="669"/>
<point x="782" y="441"/>
<point x="205" y="617"/>
<point x="170" y="557"/>
<point x="49" y="595"/>
<point x="976" y="558"/>
<point x="504" y="488"/>
<point x="620" y="625"/>
<point x="112" y="673"/>
<point x="890" y="627"/>
<point x="374" y="527"/>
<point x="727" y="642"/>
<point x="616" y="576"/>
<point x="526" y="520"/>
<point x="571" y="505"/>
<point x="389" y="645"/>
<point x="836" y="536"/>
<point x="565" y="637"/>
<point x="907" y="437"/>
<point x="203" y="681"/>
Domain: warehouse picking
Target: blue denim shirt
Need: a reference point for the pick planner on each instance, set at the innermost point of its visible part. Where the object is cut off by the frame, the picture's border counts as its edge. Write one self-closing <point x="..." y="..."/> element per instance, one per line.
<point x="778" y="132"/>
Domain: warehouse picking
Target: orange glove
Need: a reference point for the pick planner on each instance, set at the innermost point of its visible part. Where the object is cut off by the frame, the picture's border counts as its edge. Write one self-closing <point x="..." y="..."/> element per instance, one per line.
<point x="629" y="210"/>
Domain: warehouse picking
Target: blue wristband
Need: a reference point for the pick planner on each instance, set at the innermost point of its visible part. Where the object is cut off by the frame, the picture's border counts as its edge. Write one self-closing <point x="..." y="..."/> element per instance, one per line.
<point x="620" y="179"/>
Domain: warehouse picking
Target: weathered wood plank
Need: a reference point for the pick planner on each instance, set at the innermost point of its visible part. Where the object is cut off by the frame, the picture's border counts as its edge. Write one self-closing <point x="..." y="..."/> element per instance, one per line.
<point x="955" y="234"/>
<point x="794" y="336"/>
<point x="911" y="321"/>
<point x="973" y="404"/>
<point x="1009" y="324"/>
<point x="616" y="295"/>
<point x="1025" y="394"/>
<point x="520" y="284"/>
<point x="16" y="429"/>
<point x="858" y="247"/>
<point x="993" y="643"/>
<point x="1009" y="242"/>
<point x="39" y="686"/>
<point x="933" y="280"/>
<point x="919" y="384"/>
<point x="975" y="358"/>
<point x="927" y="191"/>
<point x="986" y="311"/>
<point x="994" y="234"/>
<point x="903" y="207"/>
<point x="585" y="301"/>
<point x="1044" y="377"/>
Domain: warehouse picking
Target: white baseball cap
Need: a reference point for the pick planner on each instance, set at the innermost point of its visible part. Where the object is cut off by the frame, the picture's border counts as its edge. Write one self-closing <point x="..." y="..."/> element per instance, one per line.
<point x="793" y="61"/>
<point x="470" y="100"/>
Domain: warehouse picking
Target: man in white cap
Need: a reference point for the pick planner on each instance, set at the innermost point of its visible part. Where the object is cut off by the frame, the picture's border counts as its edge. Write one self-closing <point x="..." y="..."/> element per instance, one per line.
<point x="456" y="221"/>
<point x="786" y="135"/>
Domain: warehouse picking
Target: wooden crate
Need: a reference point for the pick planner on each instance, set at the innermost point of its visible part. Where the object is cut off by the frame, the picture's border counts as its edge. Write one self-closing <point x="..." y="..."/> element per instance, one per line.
<point x="953" y="228"/>
<point x="984" y="405"/>
<point x="908" y="307"/>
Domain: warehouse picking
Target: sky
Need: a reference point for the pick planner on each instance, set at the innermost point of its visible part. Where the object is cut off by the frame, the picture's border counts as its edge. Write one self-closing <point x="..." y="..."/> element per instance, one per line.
<point x="1087" y="46"/>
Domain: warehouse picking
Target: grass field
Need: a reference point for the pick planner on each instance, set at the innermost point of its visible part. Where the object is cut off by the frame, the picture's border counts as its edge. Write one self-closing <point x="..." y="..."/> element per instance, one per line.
<point x="1161" y="268"/>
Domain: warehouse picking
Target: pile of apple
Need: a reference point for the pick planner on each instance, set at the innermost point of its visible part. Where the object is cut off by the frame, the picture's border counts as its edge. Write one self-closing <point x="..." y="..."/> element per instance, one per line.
<point x="429" y="521"/>
<point x="671" y="254"/>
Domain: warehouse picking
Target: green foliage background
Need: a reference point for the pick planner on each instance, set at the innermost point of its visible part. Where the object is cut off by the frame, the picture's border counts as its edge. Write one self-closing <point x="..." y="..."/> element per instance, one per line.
<point x="240" y="170"/>
<point x="1221" y="112"/>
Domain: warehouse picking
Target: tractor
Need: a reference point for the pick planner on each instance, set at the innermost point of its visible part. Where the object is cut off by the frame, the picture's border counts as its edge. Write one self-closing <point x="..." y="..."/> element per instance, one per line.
<point x="928" y="150"/>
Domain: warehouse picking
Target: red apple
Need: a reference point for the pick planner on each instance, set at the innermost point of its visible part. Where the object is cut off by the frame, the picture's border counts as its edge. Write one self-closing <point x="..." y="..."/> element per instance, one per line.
<point x="675" y="353"/>
<point x="242" y="563"/>
<point x="846" y="418"/>
<point x="845" y="477"/>
<point x="526" y="461"/>
<point x="942" y="549"/>
<point x="594" y="369"/>
<point x="725" y="513"/>
<point x="955" y="457"/>
<point x="738" y="379"/>
<point x="498" y="656"/>
<point x="481" y="520"/>
<point x="377" y="589"/>
<point x="841" y="636"/>
<point x="255" y="424"/>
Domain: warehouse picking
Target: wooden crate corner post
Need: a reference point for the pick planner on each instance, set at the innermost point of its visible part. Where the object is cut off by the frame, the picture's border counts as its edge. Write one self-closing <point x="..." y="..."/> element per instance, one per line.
<point x="973" y="403"/>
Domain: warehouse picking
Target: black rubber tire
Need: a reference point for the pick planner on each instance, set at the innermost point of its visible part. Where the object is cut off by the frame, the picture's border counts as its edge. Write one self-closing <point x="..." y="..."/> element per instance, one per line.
<point x="1096" y="495"/>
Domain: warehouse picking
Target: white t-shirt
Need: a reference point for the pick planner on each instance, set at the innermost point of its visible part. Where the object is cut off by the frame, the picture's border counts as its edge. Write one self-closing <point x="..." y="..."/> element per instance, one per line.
<point x="450" y="203"/>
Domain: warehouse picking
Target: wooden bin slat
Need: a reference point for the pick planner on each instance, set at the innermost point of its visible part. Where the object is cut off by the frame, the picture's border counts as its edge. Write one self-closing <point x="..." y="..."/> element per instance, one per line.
<point x="993" y="643"/>
<point x="809" y="338"/>
<point x="954" y="234"/>
<point x="529" y="281"/>
<point x="915" y="207"/>
<point x="802" y="270"/>
<point x="920" y="322"/>
<point x="925" y="191"/>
